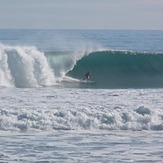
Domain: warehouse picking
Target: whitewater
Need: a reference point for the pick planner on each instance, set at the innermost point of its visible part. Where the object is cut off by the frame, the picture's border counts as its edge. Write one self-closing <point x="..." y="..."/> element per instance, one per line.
<point x="48" y="114"/>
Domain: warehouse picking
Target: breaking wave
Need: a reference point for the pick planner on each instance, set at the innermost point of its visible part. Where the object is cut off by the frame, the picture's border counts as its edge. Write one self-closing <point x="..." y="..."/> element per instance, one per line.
<point x="22" y="66"/>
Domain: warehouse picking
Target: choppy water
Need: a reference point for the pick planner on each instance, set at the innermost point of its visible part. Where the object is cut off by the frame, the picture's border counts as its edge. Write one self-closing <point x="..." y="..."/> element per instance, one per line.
<point x="112" y="146"/>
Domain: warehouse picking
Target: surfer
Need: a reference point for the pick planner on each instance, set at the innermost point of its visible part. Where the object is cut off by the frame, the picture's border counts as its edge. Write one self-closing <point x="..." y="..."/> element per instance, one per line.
<point x="87" y="76"/>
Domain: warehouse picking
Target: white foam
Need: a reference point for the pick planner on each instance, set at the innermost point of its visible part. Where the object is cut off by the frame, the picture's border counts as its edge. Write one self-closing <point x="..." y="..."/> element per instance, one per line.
<point x="70" y="79"/>
<point x="79" y="109"/>
<point x="24" y="66"/>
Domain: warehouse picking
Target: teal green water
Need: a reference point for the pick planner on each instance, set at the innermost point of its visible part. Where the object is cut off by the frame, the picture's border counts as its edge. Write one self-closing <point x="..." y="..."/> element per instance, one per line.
<point x="119" y="69"/>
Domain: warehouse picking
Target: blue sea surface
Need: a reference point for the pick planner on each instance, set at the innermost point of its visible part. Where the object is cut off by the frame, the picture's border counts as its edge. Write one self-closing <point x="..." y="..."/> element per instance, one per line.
<point x="54" y="40"/>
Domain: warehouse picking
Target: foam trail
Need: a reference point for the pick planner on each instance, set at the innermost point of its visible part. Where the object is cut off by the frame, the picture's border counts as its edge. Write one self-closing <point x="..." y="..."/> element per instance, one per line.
<point x="24" y="67"/>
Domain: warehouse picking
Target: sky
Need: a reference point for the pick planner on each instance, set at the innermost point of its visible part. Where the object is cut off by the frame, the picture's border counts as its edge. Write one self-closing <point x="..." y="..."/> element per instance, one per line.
<point x="82" y="14"/>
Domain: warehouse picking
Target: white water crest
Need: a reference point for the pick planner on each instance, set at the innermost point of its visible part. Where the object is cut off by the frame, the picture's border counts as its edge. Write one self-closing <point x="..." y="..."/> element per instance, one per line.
<point x="24" y="66"/>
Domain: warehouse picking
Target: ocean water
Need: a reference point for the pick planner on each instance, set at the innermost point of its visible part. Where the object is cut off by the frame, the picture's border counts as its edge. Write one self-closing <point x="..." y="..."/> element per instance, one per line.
<point x="47" y="112"/>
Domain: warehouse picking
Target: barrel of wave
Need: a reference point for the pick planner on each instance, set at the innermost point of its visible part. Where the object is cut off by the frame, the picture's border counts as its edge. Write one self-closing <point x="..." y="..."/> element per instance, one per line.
<point x="121" y="69"/>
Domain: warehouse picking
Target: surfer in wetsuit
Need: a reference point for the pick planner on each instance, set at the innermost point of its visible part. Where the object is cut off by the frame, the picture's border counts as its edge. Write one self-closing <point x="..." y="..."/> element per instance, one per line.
<point x="87" y="76"/>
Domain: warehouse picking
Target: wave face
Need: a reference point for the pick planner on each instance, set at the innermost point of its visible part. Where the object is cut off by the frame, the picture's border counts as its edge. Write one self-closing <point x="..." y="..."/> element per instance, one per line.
<point x="24" y="67"/>
<point x="121" y="69"/>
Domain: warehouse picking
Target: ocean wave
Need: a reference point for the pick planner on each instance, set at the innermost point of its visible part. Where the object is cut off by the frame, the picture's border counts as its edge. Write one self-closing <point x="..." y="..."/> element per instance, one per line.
<point x="28" y="67"/>
<point x="122" y="69"/>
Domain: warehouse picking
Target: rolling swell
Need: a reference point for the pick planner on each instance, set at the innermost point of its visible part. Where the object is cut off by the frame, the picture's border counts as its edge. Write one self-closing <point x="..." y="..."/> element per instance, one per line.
<point x="121" y="69"/>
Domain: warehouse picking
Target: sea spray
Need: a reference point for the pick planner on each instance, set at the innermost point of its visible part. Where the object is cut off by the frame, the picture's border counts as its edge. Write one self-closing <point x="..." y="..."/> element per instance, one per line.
<point x="63" y="62"/>
<point x="5" y="73"/>
<point x="25" y="66"/>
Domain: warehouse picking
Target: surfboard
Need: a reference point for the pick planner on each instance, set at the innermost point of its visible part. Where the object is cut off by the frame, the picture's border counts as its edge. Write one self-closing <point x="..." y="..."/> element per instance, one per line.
<point x="87" y="81"/>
